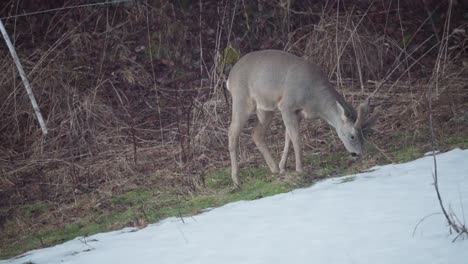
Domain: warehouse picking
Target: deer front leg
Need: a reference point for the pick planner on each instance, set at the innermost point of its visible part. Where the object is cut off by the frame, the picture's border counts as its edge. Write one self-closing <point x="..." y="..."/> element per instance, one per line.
<point x="292" y="127"/>
<point x="287" y="144"/>
<point x="284" y="157"/>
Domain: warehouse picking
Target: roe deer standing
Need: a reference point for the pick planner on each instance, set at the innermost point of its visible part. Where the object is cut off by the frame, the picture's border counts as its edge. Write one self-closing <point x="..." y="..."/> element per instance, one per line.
<point x="271" y="79"/>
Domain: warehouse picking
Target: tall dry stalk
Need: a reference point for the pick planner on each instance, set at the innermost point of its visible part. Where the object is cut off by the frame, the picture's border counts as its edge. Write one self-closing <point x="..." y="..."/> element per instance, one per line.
<point x="453" y="220"/>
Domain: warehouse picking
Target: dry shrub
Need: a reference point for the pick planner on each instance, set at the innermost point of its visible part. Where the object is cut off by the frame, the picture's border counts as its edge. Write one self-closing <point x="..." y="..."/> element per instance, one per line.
<point x="132" y="92"/>
<point x="108" y="84"/>
<point x="346" y="48"/>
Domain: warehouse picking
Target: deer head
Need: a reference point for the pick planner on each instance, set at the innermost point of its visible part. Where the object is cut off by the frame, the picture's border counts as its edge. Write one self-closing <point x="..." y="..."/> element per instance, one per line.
<point x="352" y="131"/>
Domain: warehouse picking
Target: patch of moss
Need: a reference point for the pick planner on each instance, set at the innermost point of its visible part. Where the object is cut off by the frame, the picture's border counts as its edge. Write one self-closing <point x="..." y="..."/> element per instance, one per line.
<point x="131" y="197"/>
<point x="408" y="154"/>
<point x="31" y="210"/>
<point x="347" y="179"/>
<point x="457" y="142"/>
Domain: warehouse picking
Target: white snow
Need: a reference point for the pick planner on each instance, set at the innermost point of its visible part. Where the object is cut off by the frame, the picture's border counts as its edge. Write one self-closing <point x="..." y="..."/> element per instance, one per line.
<point x="368" y="218"/>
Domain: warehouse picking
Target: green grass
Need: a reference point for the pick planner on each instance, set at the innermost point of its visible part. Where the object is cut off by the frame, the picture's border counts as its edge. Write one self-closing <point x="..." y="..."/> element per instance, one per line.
<point x="333" y="164"/>
<point x="347" y="179"/>
<point x="408" y="154"/>
<point x="457" y="142"/>
<point x="37" y="208"/>
<point x="405" y="151"/>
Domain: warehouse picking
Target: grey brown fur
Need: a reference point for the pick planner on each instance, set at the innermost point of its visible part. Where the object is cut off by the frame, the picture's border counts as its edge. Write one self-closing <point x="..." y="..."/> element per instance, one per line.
<point x="267" y="80"/>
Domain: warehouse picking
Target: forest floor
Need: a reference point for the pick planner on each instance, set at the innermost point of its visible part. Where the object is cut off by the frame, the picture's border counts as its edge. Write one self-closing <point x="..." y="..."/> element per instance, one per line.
<point x="46" y="223"/>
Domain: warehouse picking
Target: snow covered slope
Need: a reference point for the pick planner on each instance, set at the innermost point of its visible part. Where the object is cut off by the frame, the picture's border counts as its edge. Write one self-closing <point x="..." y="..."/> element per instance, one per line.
<point x="364" y="218"/>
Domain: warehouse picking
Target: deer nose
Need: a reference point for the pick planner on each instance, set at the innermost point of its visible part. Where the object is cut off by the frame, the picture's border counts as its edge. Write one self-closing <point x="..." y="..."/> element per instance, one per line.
<point x="355" y="156"/>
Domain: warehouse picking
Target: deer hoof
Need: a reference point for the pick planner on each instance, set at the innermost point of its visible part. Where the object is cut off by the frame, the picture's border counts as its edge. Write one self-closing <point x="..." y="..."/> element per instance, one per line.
<point x="235" y="187"/>
<point x="236" y="181"/>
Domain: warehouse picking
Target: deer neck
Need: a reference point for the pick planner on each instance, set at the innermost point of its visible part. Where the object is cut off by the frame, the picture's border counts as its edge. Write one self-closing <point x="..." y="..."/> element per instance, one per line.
<point x="330" y="112"/>
<point x="332" y="116"/>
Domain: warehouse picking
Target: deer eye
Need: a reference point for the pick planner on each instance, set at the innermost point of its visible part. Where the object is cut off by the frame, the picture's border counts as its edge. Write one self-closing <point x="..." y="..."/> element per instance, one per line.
<point x="352" y="137"/>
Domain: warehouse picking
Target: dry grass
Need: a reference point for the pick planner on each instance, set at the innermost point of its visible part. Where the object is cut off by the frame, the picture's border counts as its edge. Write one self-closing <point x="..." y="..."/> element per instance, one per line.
<point x="105" y="121"/>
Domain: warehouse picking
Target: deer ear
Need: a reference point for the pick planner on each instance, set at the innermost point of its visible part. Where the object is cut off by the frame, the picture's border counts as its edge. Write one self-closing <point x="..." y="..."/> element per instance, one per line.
<point x="371" y="120"/>
<point x="361" y="114"/>
<point x="342" y="112"/>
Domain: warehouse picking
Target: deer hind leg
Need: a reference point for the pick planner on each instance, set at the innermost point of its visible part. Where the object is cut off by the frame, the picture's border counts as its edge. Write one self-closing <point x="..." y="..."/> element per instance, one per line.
<point x="258" y="135"/>
<point x="291" y="121"/>
<point x="241" y="111"/>
<point x="287" y="144"/>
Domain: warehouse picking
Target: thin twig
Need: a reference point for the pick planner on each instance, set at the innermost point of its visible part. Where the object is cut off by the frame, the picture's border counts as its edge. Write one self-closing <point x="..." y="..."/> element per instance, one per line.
<point x="65" y="8"/>
<point x="422" y="220"/>
<point x="459" y="228"/>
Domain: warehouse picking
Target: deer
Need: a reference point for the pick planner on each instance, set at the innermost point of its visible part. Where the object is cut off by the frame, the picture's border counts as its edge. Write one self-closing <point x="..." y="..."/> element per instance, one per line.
<point x="269" y="80"/>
